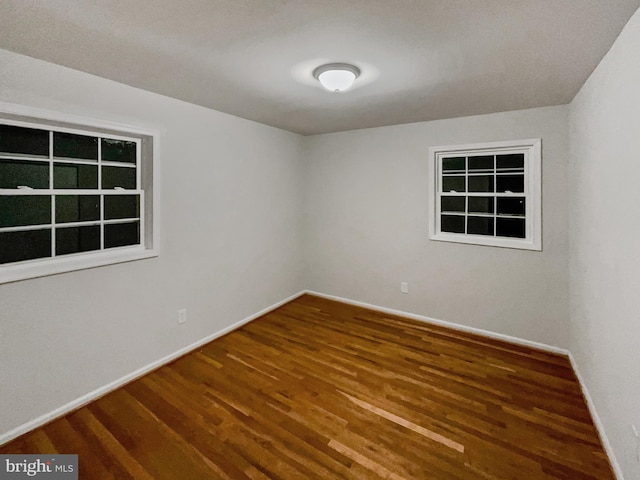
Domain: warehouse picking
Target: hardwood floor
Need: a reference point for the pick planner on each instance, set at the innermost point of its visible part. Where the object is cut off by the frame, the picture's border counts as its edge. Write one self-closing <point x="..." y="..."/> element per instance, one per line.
<point x="322" y="390"/>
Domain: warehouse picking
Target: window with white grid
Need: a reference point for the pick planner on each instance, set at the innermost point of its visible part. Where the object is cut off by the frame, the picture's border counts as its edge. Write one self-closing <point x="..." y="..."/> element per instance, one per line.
<point x="487" y="194"/>
<point x="71" y="197"/>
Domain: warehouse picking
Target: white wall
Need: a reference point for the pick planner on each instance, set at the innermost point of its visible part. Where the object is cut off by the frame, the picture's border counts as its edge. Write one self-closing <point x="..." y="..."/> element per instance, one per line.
<point x="230" y="247"/>
<point x="366" y="228"/>
<point x="604" y="178"/>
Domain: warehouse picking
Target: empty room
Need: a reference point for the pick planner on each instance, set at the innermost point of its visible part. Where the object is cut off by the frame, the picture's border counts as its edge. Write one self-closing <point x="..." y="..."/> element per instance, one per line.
<point x="274" y="239"/>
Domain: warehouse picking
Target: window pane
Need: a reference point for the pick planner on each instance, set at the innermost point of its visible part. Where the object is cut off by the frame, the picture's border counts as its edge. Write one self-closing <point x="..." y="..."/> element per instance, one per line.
<point x="121" y="206"/>
<point x="14" y="173"/>
<point x="513" y="161"/>
<point x="77" y="208"/>
<point x="19" y="246"/>
<point x="121" y="234"/>
<point x="118" y="151"/>
<point x="118" y="177"/>
<point x="70" y="145"/>
<point x="452" y="204"/>
<point x="484" y="162"/>
<point x="77" y="239"/>
<point x="451" y="183"/>
<point x="453" y="163"/>
<point x="481" y="183"/>
<point x="511" y="206"/>
<point x="480" y="226"/>
<point x="29" y="141"/>
<point x="481" y="204"/>
<point x="511" y="183"/>
<point x="75" y="176"/>
<point x="20" y="210"/>
<point x="510" y="227"/>
<point x="452" y="223"/>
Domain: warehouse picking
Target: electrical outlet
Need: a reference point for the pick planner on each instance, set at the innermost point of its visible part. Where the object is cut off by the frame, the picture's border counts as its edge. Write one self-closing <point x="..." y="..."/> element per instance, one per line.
<point x="404" y="287"/>
<point x="182" y="316"/>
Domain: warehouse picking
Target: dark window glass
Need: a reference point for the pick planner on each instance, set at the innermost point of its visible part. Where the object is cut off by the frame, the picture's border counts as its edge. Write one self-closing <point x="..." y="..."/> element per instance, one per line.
<point x="20" y="246"/>
<point x="452" y="204"/>
<point x="118" y="177"/>
<point x="77" y="239"/>
<point x="481" y="204"/>
<point x="28" y="141"/>
<point x="480" y="226"/>
<point x="511" y="206"/>
<point x="121" y="206"/>
<point x="510" y="227"/>
<point x="484" y="162"/>
<point x="121" y="234"/>
<point x="14" y="173"/>
<point x="77" y="208"/>
<point x="481" y="183"/>
<point x="452" y="223"/>
<point x="118" y="151"/>
<point x="513" y="161"/>
<point x="75" y="176"/>
<point x="20" y="210"/>
<point x="511" y="183"/>
<point x="70" y="145"/>
<point x="453" y="163"/>
<point x="450" y="183"/>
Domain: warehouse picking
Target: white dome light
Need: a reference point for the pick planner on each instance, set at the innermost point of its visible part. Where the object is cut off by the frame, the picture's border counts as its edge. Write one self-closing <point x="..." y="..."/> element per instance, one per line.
<point x="336" y="77"/>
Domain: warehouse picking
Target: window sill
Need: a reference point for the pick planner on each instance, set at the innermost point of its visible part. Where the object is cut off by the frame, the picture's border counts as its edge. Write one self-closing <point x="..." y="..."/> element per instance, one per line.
<point x="41" y="268"/>
<point x="520" y="244"/>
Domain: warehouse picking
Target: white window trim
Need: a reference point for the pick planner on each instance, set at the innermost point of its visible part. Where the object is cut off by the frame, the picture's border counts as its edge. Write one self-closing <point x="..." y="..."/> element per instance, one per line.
<point x="533" y="192"/>
<point x="50" y="266"/>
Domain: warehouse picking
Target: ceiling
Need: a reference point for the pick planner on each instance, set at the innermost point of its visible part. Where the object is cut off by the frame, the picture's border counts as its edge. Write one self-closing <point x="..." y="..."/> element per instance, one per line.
<point x="420" y="59"/>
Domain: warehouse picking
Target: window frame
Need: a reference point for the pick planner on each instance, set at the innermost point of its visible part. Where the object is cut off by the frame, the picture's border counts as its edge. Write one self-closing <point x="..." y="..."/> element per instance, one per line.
<point x="147" y="190"/>
<point x="532" y="149"/>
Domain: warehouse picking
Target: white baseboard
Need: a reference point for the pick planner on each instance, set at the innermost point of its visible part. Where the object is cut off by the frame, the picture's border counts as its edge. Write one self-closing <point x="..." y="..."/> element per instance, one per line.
<point x="596" y="421"/>
<point x="444" y="323"/>
<point x="99" y="392"/>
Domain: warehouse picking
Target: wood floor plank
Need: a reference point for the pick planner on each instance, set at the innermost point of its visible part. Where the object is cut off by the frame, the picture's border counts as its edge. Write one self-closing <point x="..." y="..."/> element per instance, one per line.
<point x="319" y="389"/>
<point x="403" y="422"/>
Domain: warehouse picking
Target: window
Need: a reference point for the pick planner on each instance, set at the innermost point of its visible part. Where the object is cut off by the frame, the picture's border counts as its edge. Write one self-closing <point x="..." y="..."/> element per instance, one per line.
<point x="72" y="195"/>
<point x="487" y="194"/>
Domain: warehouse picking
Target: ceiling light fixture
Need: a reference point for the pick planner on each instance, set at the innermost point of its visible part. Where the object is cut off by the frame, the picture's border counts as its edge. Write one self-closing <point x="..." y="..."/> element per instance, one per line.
<point x="336" y="77"/>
